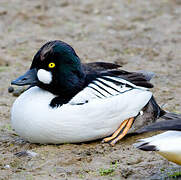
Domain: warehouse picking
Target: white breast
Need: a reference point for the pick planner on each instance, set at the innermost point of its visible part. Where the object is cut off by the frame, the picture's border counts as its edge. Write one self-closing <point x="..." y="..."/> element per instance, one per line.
<point x="34" y="120"/>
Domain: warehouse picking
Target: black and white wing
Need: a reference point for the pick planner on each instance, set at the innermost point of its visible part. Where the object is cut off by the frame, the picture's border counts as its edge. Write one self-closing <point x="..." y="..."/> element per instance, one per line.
<point x="104" y="87"/>
<point x="99" y="69"/>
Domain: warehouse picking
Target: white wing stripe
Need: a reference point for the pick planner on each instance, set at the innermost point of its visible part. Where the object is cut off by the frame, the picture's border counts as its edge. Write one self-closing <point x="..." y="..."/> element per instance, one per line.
<point x="110" y="84"/>
<point x="95" y="93"/>
<point x="107" y="88"/>
<point x="123" y="82"/>
<point x="120" y="88"/>
<point x="99" y="90"/>
<point x="101" y="86"/>
<point x="100" y="95"/>
<point x="119" y="80"/>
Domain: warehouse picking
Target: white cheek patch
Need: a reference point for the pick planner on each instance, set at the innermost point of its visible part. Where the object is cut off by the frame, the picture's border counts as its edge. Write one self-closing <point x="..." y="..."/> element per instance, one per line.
<point x="44" y="76"/>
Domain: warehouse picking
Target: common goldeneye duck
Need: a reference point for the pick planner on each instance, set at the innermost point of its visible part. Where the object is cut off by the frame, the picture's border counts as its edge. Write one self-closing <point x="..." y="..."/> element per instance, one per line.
<point x="167" y="144"/>
<point x="70" y="102"/>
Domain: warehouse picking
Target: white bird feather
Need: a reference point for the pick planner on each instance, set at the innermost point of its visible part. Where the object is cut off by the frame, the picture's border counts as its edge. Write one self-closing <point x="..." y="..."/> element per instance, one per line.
<point x="167" y="144"/>
<point x="95" y="112"/>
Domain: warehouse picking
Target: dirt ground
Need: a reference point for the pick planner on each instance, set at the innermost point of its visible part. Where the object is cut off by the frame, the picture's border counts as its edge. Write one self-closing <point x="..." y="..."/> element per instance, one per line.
<point x="136" y="34"/>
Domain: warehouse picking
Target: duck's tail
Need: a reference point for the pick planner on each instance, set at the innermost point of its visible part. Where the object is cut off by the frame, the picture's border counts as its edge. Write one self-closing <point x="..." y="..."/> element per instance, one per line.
<point x="173" y="122"/>
<point x="145" y="146"/>
<point x="148" y="115"/>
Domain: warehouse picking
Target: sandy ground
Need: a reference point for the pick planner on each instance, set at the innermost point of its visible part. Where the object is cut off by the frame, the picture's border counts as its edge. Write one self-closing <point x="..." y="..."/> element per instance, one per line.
<point x="137" y="34"/>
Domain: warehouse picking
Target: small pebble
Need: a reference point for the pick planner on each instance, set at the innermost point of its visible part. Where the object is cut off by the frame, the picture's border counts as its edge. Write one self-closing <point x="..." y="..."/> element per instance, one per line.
<point x="109" y="18"/>
<point x="32" y="154"/>
<point x="17" y="92"/>
<point x="10" y="89"/>
<point x="7" y="166"/>
<point x="26" y="153"/>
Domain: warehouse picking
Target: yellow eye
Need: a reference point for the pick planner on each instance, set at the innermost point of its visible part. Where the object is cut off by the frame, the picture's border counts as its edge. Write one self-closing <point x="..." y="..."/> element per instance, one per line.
<point x="51" y="65"/>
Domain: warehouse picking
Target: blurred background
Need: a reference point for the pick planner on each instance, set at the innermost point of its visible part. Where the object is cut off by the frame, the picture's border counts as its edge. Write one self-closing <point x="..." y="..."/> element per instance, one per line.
<point x="137" y="34"/>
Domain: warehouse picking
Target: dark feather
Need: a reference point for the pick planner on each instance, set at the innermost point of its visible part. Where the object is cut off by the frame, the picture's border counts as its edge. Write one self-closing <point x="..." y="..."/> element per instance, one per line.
<point x="148" y="147"/>
<point x="172" y="116"/>
<point x="148" y="75"/>
<point x="174" y="123"/>
<point x="151" y="112"/>
<point x="98" y="69"/>
<point x="99" y="66"/>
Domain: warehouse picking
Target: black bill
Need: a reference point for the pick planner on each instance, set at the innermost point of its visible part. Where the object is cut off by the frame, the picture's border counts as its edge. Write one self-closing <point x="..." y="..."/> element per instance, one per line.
<point x="29" y="78"/>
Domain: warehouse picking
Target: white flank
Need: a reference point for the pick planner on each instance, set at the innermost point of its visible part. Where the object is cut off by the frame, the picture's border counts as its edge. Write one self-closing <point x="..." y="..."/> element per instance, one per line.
<point x="168" y="144"/>
<point x="34" y="120"/>
<point x="44" y="76"/>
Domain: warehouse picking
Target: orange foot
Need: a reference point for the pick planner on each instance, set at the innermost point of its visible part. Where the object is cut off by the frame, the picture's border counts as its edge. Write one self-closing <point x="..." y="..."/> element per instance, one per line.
<point x="125" y="126"/>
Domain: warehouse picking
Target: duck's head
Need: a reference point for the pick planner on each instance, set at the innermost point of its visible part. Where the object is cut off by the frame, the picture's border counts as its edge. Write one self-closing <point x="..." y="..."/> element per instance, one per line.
<point x="56" y="68"/>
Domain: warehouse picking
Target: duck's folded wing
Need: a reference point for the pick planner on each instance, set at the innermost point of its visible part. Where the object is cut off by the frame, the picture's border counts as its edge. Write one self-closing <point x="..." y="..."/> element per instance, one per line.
<point x="98" y="69"/>
<point x="99" y="66"/>
<point x="104" y="87"/>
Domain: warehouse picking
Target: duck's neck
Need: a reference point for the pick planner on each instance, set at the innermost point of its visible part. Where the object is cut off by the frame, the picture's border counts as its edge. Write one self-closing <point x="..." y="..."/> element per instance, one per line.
<point x="66" y="88"/>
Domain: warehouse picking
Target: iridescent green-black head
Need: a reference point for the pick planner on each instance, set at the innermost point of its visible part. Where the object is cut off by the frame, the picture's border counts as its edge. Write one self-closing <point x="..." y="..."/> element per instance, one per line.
<point x="56" y="68"/>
